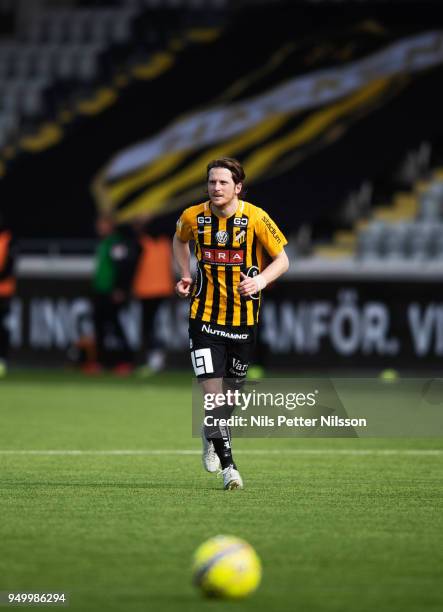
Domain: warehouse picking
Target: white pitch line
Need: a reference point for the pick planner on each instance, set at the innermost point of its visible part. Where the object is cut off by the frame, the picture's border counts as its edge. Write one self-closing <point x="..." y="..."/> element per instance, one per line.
<point x="283" y="451"/>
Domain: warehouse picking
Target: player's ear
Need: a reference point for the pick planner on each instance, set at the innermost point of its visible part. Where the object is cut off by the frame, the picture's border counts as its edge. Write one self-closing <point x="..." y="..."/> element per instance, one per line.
<point x="238" y="188"/>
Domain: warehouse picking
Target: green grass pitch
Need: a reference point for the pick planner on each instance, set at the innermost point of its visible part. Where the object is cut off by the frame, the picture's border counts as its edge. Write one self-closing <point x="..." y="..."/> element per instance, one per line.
<point x="337" y="530"/>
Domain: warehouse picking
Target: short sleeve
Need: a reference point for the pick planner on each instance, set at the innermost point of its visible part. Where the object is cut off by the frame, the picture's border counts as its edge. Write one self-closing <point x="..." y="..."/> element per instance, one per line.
<point x="269" y="234"/>
<point x="184" y="228"/>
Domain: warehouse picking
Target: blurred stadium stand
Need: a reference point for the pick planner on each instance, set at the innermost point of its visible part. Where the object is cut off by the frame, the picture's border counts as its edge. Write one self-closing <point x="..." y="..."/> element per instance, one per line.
<point x="333" y="107"/>
<point x="69" y="70"/>
<point x="59" y="53"/>
<point x="414" y="229"/>
<point x="409" y="229"/>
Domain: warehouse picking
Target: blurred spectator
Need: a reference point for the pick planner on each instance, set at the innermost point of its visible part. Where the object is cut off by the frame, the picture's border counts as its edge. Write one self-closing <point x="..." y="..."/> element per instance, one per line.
<point x="153" y="283"/>
<point x="7" y="290"/>
<point x="116" y="260"/>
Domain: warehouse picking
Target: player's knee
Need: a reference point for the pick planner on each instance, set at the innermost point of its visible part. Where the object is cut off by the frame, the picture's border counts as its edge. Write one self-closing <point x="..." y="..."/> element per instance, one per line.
<point x="233" y="384"/>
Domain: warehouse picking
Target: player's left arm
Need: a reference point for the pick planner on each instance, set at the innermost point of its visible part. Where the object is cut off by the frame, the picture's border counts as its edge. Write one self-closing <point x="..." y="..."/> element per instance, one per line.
<point x="273" y="241"/>
<point x="278" y="266"/>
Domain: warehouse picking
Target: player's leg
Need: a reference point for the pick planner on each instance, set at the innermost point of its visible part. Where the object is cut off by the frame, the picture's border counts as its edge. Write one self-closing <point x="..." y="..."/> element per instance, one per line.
<point x="210" y="458"/>
<point x="215" y="430"/>
<point x="237" y="363"/>
<point x="231" y="475"/>
<point x="208" y="357"/>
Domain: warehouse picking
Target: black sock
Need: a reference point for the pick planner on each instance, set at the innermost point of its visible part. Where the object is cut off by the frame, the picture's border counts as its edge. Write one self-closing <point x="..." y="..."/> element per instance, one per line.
<point x="220" y="436"/>
<point x="223" y="449"/>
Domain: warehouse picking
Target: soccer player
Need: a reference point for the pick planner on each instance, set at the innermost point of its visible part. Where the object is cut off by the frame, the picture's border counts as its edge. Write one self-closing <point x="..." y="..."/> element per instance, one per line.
<point x="230" y="236"/>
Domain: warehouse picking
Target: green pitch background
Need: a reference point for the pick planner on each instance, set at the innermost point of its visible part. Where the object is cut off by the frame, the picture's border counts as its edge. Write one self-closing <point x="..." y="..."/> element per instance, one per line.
<point x="336" y="531"/>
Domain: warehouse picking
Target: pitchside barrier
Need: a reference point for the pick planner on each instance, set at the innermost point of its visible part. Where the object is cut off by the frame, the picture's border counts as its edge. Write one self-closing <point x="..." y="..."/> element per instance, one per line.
<point x="322" y="314"/>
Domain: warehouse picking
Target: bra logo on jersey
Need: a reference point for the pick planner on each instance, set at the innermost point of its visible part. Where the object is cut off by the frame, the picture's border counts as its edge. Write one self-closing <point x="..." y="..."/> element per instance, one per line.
<point x="243" y="221"/>
<point x="222" y="257"/>
<point x="222" y="237"/>
<point x="204" y="220"/>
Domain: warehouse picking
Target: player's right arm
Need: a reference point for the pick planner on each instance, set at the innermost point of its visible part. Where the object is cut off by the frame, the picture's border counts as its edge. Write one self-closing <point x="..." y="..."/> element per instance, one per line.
<point x="182" y="256"/>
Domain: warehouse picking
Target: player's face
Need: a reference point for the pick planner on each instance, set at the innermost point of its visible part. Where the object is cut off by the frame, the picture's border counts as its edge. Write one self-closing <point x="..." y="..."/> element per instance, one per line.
<point x="221" y="187"/>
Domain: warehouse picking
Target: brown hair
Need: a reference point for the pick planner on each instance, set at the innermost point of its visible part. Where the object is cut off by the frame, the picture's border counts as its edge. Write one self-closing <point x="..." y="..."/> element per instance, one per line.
<point x="238" y="174"/>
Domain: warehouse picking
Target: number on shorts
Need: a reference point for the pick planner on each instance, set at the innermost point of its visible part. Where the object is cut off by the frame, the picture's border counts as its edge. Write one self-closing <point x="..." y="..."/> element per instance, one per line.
<point x="202" y="361"/>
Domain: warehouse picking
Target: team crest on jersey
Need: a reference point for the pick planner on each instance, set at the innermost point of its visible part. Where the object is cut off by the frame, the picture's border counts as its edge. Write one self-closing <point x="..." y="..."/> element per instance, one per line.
<point x="239" y="235"/>
<point x="222" y="237"/>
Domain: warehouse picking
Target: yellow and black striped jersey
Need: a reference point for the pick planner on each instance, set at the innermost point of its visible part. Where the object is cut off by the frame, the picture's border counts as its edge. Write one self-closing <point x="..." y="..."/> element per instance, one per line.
<point x="224" y="247"/>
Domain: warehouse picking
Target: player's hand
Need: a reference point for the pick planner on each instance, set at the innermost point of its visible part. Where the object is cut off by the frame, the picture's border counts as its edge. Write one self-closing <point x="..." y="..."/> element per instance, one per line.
<point x="183" y="287"/>
<point x="250" y="284"/>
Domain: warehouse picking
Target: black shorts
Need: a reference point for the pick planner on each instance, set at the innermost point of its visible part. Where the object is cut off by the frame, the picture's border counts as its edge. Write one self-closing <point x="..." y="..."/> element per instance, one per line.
<point x="220" y="352"/>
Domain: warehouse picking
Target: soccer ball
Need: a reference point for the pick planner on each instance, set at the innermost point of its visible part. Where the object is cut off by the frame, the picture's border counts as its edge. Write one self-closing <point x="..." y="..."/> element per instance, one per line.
<point x="226" y="567"/>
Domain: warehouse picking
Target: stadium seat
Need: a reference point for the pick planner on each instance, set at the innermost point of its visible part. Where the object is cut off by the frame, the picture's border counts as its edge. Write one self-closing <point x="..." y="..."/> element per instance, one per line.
<point x="120" y="27"/>
<point x="23" y="61"/>
<point x="79" y="26"/>
<point x="430" y="206"/>
<point x="44" y="62"/>
<point x="7" y="52"/>
<point x="370" y="241"/>
<point x="8" y="120"/>
<point x="4" y="69"/>
<point x="436" y="189"/>
<point x="438" y="245"/>
<point x="32" y="103"/>
<point x="396" y="239"/>
<point x="8" y="125"/>
<point x="10" y="94"/>
<point x="99" y="30"/>
<point x="57" y="26"/>
<point x="87" y="63"/>
<point x="420" y="240"/>
<point x="66" y="62"/>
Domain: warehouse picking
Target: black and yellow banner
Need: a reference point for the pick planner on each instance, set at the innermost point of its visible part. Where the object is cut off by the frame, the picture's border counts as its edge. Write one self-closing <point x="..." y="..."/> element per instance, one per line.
<point x="318" y="101"/>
